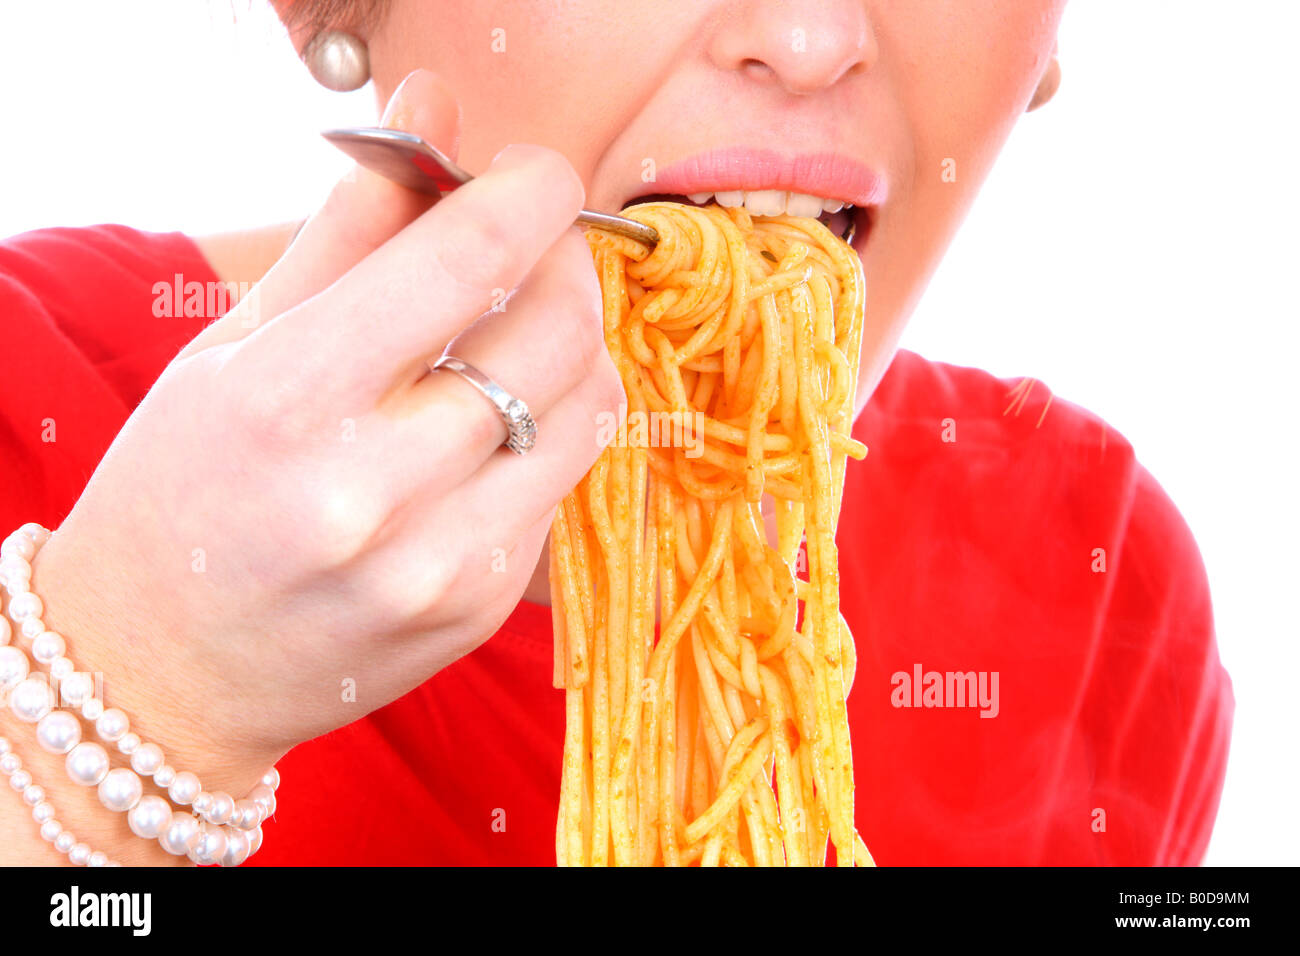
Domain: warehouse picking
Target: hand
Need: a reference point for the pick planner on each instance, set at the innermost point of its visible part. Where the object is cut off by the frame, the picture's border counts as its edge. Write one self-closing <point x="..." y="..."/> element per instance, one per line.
<point x="301" y="504"/>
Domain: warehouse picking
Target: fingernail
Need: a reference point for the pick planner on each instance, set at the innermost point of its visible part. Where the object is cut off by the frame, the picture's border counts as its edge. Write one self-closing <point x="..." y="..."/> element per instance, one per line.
<point x="398" y="112"/>
<point x="512" y="155"/>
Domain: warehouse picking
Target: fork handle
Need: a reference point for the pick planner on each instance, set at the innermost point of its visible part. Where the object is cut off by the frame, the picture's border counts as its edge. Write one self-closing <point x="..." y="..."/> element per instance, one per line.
<point x="410" y="161"/>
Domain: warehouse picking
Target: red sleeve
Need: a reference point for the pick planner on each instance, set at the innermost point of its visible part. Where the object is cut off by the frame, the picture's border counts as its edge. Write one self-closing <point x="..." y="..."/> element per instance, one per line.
<point x="1158" y="709"/>
<point x="972" y="542"/>
<point x="84" y="342"/>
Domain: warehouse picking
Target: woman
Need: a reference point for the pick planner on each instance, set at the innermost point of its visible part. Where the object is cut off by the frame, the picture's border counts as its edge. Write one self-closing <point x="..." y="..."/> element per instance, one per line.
<point x="295" y="550"/>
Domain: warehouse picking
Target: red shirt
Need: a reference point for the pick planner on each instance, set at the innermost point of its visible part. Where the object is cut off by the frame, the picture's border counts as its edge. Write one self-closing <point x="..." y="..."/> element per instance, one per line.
<point x="968" y="545"/>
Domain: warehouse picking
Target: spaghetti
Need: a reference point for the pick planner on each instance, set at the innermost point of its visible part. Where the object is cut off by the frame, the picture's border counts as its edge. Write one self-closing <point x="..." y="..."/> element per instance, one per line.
<point x="705" y="679"/>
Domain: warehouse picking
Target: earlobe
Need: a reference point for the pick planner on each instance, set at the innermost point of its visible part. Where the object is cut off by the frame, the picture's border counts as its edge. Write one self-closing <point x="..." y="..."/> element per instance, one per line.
<point x="1047" y="86"/>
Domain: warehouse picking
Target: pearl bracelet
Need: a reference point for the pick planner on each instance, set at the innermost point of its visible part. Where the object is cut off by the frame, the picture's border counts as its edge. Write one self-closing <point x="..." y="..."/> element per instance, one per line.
<point x="43" y="812"/>
<point x="220" y="830"/>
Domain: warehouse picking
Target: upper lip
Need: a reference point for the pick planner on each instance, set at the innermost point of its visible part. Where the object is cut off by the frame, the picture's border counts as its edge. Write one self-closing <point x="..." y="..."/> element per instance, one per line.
<point x="828" y="175"/>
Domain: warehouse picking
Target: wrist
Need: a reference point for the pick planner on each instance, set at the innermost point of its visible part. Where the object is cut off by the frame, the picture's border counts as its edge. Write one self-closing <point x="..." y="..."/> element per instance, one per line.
<point x="130" y="671"/>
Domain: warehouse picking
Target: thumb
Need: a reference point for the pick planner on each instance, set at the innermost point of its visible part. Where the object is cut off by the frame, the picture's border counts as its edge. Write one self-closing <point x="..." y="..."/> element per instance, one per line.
<point x="363" y="211"/>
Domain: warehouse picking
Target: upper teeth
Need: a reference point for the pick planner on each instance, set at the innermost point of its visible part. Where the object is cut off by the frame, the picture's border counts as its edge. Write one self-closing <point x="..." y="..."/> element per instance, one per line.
<point x="771" y="202"/>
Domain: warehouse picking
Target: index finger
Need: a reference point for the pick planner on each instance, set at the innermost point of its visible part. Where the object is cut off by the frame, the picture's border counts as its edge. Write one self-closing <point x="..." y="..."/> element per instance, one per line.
<point x="363" y="211"/>
<point x="405" y="301"/>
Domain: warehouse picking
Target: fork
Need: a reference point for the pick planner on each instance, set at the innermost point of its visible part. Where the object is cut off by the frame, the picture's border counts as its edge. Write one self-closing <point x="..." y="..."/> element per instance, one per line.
<point x="410" y="161"/>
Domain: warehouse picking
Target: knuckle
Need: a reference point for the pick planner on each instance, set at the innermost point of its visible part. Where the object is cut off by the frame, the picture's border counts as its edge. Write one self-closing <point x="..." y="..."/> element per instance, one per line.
<point x="597" y="366"/>
<point x="610" y="390"/>
<point x="564" y="177"/>
<point x="478" y="251"/>
<point x="272" y="410"/>
<point x="554" y="169"/>
<point x="271" y="404"/>
<point x="419" y="582"/>
<point x="584" y="313"/>
<point x="346" y="519"/>
<point x="589" y="334"/>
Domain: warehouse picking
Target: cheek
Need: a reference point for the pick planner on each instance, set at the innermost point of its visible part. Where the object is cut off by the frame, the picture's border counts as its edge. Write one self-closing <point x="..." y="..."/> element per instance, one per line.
<point x="972" y="69"/>
<point x="549" y="72"/>
<point x="480" y="49"/>
<point x="960" y="74"/>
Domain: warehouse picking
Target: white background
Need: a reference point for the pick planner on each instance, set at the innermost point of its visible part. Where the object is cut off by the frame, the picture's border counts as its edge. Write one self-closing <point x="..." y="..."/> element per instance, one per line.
<point x="1135" y="250"/>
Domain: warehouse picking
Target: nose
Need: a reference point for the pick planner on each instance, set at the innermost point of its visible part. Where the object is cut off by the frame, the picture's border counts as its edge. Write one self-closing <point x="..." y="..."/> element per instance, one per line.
<point x="800" y="45"/>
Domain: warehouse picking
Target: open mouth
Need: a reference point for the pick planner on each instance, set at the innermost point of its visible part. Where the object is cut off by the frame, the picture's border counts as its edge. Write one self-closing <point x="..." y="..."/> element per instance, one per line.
<point x="843" y="219"/>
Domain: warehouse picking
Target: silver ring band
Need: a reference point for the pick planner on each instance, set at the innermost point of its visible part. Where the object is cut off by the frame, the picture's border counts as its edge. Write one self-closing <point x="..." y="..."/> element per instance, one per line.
<point x="513" y="411"/>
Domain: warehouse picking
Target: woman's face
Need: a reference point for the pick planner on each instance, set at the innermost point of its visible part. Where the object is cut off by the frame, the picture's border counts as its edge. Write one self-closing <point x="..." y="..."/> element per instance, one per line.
<point x="901" y="105"/>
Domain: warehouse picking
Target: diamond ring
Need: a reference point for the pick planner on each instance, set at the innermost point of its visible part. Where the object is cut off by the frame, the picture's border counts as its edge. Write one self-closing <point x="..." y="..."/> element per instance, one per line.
<point x="513" y="411"/>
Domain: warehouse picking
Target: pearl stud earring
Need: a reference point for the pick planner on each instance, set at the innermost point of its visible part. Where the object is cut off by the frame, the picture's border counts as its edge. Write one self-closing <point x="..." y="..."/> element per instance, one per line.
<point x="338" y="61"/>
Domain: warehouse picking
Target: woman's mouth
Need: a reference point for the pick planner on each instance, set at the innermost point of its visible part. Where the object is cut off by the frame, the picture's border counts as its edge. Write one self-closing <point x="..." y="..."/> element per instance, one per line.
<point x="836" y="188"/>
<point x="843" y="219"/>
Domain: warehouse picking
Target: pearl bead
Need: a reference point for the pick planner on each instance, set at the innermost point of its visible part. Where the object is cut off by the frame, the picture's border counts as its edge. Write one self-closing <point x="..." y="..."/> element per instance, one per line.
<point x="35" y="531"/>
<point x="32" y="628"/>
<point x="222" y="808"/>
<point x="164" y="776"/>
<point x="20" y="781"/>
<point x="10" y="763"/>
<point x="146" y="759"/>
<point x="48" y="647"/>
<point x="92" y="709"/>
<point x="5" y="746"/>
<point x="58" y="732"/>
<point x="15" y="568"/>
<point x="87" y="764"/>
<point x="120" y="790"/>
<point x="236" y="849"/>
<point x="65" y="841"/>
<point x="184" y="788"/>
<point x="247" y="814"/>
<point x="79" y="854"/>
<point x="61" y="668"/>
<point x="272" y="779"/>
<point x="207" y="845"/>
<point x="43" y="811"/>
<point x="32" y="699"/>
<point x="202" y="802"/>
<point x="33" y="795"/>
<point x="23" y="605"/>
<point x="50" y="830"/>
<point x="6" y="632"/>
<point x="13" y="666"/>
<point x="98" y="858"/>
<point x="176" y="837"/>
<point x="77" y="687"/>
<point x="150" y="817"/>
<point x="111" y="725"/>
<point x="19" y="545"/>
<point x="254" y="840"/>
